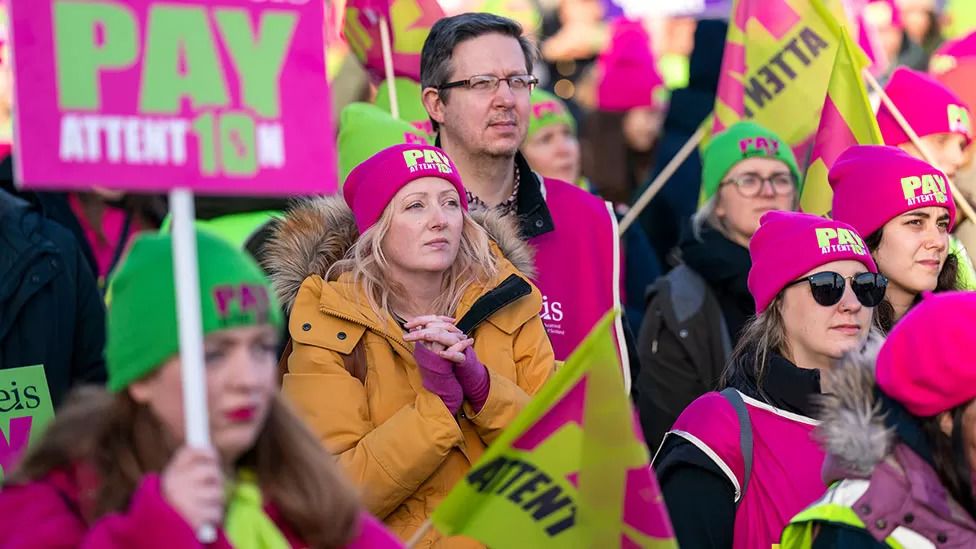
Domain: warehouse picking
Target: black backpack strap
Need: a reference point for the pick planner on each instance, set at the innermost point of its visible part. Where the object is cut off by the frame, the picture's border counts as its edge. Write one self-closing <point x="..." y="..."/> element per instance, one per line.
<point x="745" y="436"/>
<point x="512" y="288"/>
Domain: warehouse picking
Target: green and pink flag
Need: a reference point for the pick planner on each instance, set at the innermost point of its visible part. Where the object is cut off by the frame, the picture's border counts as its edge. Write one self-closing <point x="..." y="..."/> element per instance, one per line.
<point x="25" y="411"/>
<point x="217" y="96"/>
<point x="571" y="471"/>
<point x="846" y="119"/>
<point x="777" y="61"/>
<point x="409" y="21"/>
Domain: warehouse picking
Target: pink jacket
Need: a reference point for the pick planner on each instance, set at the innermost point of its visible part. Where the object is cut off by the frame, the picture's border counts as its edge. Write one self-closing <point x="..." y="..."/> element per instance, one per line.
<point x="46" y="514"/>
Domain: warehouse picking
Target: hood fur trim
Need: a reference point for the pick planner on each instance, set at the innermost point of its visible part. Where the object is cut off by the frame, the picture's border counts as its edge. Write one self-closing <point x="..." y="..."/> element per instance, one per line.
<point x="317" y="232"/>
<point x="313" y="234"/>
<point x="852" y="428"/>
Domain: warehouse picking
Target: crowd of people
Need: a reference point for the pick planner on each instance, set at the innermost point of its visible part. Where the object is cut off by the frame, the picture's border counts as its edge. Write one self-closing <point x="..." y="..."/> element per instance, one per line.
<point x="800" y="380"/>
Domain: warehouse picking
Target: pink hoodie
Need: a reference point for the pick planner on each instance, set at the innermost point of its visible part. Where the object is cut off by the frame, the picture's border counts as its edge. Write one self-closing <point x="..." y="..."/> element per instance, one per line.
<point x="46" y="514"/>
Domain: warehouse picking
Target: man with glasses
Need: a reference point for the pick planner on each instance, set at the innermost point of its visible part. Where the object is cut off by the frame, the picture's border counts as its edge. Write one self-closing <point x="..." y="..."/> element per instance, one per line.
<point x="476" y="75"/>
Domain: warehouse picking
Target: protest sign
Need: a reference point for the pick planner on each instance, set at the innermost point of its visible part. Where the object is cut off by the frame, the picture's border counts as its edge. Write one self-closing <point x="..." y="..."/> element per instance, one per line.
<point x="25" y="410"/>
<point x="572" y="470"/>
<point x="217" y="96"/>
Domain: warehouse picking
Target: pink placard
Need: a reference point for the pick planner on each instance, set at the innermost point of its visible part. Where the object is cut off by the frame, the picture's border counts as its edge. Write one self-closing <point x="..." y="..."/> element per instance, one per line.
<point x="219" y="96"/>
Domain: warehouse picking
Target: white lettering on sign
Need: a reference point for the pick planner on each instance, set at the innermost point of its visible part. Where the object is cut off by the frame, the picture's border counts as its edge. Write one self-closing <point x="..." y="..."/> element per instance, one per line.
<point x="136" y="140"/>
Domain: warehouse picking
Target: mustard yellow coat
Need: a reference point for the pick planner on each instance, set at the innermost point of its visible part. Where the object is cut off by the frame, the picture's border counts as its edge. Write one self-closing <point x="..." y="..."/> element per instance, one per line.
<point x="397" y="441"/>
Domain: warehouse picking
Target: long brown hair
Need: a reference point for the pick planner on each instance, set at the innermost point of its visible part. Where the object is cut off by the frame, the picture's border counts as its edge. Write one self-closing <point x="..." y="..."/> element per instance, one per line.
<point x="948" y="457"/>
<point x="123" y="441"/>
<point x="763" y="335"/>
<point x="948" y="281"/>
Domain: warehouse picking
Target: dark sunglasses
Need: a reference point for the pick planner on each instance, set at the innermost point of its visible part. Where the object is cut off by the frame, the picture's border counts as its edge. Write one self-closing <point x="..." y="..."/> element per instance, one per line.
<point x="828" y="287"/>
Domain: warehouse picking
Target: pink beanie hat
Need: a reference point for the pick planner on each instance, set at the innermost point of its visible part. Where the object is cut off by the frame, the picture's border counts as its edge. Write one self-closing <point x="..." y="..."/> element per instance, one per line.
<point x="628" y="73"/>
<point x="924" y="363"/>
<point x="788" y="244"/>
<point x="372" y="184"/>
<point x="928" y="107"/>
<point x="875" y="183"/>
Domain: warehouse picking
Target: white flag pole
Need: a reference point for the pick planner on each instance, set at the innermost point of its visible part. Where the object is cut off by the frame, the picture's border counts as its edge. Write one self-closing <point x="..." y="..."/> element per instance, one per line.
<point x="187" y="280"/>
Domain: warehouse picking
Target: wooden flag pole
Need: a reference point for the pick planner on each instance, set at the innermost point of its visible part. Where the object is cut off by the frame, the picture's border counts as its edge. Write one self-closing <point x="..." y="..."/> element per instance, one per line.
<point x="388" y="66"/>
<point x="419" y="534"/>
<point x="961" y="201"/>
<point x="661" y="179"/>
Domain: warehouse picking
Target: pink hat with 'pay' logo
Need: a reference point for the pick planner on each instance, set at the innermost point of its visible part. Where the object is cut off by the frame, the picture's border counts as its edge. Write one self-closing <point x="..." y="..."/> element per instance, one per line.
<point x="789" y="244"/>
<point x="372" y="184"/>
<point x="927" y="105"/>
<point x="874" y="184"/>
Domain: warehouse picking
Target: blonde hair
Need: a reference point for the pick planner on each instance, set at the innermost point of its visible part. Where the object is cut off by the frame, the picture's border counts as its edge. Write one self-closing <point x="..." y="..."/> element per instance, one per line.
<point x="370" y="269"/>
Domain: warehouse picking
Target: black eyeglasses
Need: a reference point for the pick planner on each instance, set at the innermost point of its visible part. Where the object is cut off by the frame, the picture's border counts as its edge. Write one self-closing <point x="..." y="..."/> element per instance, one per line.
<point x="490" y="83"/>
<point x="751" y="184"/>
<point x="828" y="287"/>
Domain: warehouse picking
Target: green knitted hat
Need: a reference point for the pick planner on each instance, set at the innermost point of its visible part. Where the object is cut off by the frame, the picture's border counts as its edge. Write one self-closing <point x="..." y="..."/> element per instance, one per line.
<point x="365" y="130"/>
<point x="546" y="110"/>
<point x="410" y="102"/>
<point x="142" y="320"/>
<point x="738" y="142"/>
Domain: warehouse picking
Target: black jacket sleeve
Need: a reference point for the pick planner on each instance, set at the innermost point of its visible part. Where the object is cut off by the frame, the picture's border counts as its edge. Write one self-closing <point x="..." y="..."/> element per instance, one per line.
<point x="87" y="357"/>
<point x="830" y="535"/>
<point x="668" y="380"/>
<point x="699" y="497"/>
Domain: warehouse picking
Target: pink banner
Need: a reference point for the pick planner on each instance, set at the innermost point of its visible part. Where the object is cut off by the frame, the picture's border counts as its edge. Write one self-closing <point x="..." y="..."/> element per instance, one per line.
<point x="219" y="96"/>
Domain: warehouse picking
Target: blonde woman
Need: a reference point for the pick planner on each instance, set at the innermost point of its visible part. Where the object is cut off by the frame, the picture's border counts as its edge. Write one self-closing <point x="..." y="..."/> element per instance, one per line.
<point x="414" y="340"/>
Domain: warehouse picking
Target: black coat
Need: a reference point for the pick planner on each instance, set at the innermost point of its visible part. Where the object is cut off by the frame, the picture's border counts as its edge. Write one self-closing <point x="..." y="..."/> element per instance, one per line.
<point x="693" y="318"/>
<point x="51" y="312"/>
<point x="678" y="199"/>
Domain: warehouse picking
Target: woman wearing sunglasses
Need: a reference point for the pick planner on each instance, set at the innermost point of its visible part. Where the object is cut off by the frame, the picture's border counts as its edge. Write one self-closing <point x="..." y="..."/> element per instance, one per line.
<point x="900" y="429"/>
<point x="697" y="311"/>
<point x="904" y="207"/>
<point x="737" y="465"/>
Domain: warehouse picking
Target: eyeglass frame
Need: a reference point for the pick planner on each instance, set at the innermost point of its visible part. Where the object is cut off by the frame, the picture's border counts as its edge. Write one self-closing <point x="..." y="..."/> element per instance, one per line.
<point x="762" y="183"/>
<point x="532" y="83"/>
<point x="879" y="279"/>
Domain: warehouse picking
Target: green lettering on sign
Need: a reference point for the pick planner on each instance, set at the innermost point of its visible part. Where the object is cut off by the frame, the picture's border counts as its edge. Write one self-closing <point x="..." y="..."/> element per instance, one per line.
<point x="181" y="61"/>
<point x="258" y="59"/>
<point x="80" y="55"/>
<point x="237" y="144"/>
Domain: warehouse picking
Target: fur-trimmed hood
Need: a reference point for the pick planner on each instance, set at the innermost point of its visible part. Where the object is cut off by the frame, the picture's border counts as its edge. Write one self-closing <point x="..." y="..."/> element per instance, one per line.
<point x="853" y="430"/>
<point x="317" y="232"/>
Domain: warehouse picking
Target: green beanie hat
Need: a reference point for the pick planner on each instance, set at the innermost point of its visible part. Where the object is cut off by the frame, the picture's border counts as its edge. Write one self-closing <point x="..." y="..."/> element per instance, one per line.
<point x="142" y="320"/>
<point x="365" y="130"/>
<point x="409" y="99"/>
<point x="738" y="142"/>
<point x="545" y="110"/>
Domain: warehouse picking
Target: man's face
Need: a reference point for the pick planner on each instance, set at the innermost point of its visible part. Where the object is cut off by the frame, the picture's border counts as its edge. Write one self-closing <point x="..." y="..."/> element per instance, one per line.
<point x="483" y="122"/>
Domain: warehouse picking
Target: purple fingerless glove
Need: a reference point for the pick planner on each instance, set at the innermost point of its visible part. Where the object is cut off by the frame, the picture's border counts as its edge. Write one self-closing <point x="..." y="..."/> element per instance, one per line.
<point x="438" y="377"/>
<point x="473" y="377"/>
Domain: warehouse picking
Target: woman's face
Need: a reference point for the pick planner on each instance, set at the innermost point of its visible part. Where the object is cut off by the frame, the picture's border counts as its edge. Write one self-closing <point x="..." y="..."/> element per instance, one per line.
<point x="425" y="228"/>
<point x="641" y="127"/>
<point x="242" y="378"/>
<point x="947" y="149"/>
<point x="740" y="214"/>
<point x="916" y="15"/>
<point x="554" y="152"/>
<point x="818" y="334"/>
<point x="913" y="249"/>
